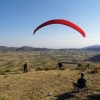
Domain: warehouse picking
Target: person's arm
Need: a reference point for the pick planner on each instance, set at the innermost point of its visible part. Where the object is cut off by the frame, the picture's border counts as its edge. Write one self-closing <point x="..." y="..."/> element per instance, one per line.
<point x="85" y="81"/>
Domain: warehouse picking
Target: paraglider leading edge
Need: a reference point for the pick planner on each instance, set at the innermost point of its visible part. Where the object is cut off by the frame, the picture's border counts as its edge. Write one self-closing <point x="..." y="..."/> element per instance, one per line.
<point x="63" y="22"/>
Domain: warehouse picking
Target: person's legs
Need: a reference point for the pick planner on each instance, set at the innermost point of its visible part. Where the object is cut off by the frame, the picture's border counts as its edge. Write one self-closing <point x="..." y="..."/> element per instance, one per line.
<point x="24" y="70"/>
<point x="75" y="86"/>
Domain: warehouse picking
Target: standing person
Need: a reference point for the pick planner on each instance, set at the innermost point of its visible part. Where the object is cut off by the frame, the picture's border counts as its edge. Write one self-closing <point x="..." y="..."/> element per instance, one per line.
<point x="60" y="65"/>
<point x="25" y="68"/>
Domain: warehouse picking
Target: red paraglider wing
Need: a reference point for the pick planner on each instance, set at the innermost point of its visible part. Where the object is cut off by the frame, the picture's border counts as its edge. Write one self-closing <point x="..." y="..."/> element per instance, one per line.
<point x="64" y="22"/>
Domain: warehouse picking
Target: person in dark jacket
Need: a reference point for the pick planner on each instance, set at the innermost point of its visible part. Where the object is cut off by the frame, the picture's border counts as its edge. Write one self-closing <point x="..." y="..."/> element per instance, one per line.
<point x="60" y="65"/>
<point x="25" y="67"/>
<point x="81" y="82"/>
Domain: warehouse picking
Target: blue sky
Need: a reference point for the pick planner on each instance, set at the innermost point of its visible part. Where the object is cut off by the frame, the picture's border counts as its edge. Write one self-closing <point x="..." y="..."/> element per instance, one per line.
<point x="19" y="18"/>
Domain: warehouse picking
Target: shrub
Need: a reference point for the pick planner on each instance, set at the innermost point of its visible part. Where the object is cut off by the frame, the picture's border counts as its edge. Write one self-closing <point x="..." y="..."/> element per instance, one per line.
<point x="81" y="68"/>
<point x="97" y="68"/>
<point x="7" y="70"/>
<point x="79" y="65"/>
<point x="39" y="69"/>
<point x="88" y="65"/>
<point x="94" y="71"/>
<point x="54" y="68"/>
<point x="5" y="76"/>
<point x="2" y="73"/>
<point x="47" y="68"/>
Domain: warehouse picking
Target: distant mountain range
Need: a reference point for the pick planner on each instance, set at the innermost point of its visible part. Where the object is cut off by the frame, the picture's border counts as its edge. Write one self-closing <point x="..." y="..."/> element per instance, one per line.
<point x="29" y="49"/>
<point x="92" y="48"/>
<point x="22" y="49"/>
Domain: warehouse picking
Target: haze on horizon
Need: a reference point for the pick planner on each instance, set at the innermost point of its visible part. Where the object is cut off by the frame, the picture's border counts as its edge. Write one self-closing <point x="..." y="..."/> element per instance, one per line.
<point x="19" y="18"/>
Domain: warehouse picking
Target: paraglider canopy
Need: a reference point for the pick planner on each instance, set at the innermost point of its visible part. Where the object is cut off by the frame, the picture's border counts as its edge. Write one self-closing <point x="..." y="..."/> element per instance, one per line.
<point x="63" y="22"/>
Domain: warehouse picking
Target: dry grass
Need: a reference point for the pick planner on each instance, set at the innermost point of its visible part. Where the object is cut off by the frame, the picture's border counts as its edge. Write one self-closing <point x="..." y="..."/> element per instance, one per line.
<point x="35" y="85"/>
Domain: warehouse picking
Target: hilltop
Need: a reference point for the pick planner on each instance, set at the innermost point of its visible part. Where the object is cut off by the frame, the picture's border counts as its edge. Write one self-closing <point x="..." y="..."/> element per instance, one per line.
<point x="35" y="85"/>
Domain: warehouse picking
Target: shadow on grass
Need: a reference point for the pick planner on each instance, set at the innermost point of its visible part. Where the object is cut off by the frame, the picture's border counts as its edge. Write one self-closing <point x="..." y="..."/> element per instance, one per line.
<point x="94" y="97"/>
<point x="69" y="95"/>
<point x="64" y="96"/>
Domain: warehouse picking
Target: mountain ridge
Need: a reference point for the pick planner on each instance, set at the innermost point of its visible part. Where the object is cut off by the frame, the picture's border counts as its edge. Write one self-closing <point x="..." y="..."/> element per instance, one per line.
<point x="29" y="48"/>
<point x="92" y="46"/>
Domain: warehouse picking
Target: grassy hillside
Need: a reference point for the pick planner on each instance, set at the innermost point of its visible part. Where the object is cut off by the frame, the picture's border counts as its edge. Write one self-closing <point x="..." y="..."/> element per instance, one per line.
<point x="44" y="75"/>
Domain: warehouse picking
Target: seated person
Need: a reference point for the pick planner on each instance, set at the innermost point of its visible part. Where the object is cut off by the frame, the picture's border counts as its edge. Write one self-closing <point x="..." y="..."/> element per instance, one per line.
<point x="81" y="82"/>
